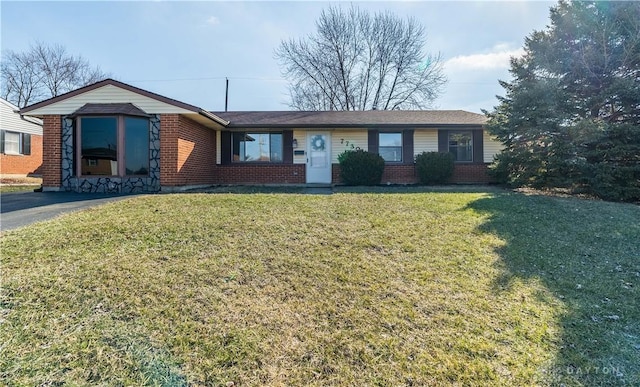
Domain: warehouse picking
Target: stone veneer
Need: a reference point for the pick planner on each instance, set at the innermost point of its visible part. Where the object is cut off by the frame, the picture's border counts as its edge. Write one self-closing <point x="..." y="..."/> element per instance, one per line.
<point x="111" y="184"/>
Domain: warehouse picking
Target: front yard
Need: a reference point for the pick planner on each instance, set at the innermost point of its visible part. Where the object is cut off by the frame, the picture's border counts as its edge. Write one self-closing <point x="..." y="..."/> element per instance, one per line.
<point x="369" y="288"/>
<point x="14" y="183"/>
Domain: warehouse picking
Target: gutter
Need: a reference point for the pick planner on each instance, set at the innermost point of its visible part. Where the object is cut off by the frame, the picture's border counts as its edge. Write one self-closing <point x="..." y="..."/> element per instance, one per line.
<point x="213" y="117"/>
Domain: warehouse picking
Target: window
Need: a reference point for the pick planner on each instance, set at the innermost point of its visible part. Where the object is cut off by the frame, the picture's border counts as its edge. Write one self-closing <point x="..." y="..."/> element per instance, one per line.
<point x="136" y="144"/>
<point x="461" y="145"/>
<point x="257" y="147"/>
<point x="14" y="143"/>
<point x="390" y="147"/>
<point x="99" y="149"/>
<point x="113" y="146"/>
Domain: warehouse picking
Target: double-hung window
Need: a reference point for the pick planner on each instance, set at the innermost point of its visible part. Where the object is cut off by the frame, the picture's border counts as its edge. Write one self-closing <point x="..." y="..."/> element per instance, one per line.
<point x="390" y="146"/>
<point x="14" y="143"/>
<point x="113" y="145"/>
<point x="257" y="147"/>
<point x="461" y="145"/>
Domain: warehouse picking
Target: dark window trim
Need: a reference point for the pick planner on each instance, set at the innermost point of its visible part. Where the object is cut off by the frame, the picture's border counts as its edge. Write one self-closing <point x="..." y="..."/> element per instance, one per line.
<point x="120" y="138"/>
<point x="450" y="132"/>
<point x="477" y="145"/>
<point x="24" y="143"/>
<point x="240" y="162"/>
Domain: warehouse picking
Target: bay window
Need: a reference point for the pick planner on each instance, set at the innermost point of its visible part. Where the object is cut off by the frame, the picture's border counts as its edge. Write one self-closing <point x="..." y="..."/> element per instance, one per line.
<point x="113" y="145"/>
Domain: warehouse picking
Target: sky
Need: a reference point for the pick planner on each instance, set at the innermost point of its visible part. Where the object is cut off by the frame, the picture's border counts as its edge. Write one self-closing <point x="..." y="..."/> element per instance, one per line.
<point x="185" y="50"/>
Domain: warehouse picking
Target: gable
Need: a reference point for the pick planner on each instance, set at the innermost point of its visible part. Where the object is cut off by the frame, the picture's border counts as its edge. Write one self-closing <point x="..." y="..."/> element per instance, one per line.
<point x="108" y="94"/>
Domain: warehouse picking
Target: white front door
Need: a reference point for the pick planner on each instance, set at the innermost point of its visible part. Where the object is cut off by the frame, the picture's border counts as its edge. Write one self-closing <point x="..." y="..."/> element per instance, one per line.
<point x="318" y="157"/>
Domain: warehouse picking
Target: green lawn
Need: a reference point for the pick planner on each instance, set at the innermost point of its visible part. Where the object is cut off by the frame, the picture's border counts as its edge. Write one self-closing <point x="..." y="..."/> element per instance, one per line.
<point x="357" y="288"/>
<point x="17" y="188"/>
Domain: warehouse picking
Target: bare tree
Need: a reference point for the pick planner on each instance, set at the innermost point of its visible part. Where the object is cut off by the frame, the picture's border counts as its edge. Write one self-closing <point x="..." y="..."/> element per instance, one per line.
<point x="21" y="81"/>
<point x="44" y="71"/>
<point x="357" y="61"/>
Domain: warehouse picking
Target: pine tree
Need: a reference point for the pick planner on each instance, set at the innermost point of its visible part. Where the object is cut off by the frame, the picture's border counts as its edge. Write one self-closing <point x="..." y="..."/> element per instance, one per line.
<point x="571" y="114"/>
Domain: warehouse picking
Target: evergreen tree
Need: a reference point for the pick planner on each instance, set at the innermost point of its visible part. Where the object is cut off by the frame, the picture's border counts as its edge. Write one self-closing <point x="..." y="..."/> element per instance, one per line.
<point x="571" y="114"/>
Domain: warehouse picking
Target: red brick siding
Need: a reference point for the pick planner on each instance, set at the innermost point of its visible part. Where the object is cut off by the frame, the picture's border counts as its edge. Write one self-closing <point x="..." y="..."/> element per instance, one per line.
<point x="406" y="174"/>
<point x="394" y="174"/>
<point x="261" y="174"/>
<point x="52" y="151"/>
<point x="187" y="152"/>
<point x="24" y="164"/>
<point x="399" y="174"/>
<point x="470" y="173"/>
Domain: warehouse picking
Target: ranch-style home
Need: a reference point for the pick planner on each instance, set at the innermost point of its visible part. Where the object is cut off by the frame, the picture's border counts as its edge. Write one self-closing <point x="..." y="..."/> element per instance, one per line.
<point x="114" y="137"/>
<point x="20" y="142"/>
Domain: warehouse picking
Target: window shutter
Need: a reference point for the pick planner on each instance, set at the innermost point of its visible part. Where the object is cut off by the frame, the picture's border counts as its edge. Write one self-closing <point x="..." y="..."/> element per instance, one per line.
<point x="26" y="144"/>
<point x="225" y="147"/>
<point x="373" y="141"/>
<point x="1" y="141"/>
<point x="407" y="146"/>
<point x="287" y="145"/>
<point x="443" y="141"/>
<point x="478" y="151"/>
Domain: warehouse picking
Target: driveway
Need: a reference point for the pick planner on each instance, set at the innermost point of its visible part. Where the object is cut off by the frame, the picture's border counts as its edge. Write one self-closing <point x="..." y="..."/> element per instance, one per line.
<point x="19" y="209"/>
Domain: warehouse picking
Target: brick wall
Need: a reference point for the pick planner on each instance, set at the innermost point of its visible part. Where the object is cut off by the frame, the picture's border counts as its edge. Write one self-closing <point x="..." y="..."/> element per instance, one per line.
<point x="470" y="173"/>
<point x="187" y="152"/>
<point x="406" y="174"/>
<point x="24" y="164"/>
<point x="394" y="174"/>
<point x="52" y="152"/>
<point x="399" y="174"/>
<point x="261" y="174"/>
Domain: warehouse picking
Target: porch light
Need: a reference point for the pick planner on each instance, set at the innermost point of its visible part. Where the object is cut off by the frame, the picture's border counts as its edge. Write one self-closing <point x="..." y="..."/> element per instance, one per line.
<point x="294" y="143"/>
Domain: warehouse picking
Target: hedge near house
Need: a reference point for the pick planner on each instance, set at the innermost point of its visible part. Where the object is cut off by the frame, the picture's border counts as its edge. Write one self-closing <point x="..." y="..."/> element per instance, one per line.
<point x="434" y="167"/>
<point x="359" y="167"/>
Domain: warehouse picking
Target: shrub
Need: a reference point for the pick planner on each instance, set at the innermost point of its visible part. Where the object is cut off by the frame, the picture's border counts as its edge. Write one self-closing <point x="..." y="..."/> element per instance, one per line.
<point x="358" y="167"/>
<point x="434" y="167"/>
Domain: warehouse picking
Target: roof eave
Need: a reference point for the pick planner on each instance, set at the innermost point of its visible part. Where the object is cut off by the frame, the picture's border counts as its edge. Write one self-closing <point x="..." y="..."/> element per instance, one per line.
<point x="352" y="126"/>
<point x="213" y="117"/>
<point x="133" y="89"/>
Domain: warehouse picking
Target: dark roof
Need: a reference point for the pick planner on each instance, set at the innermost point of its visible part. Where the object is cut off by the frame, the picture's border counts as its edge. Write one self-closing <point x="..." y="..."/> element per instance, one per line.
<point x="297" y="119"/>
<point x="128" y="109"/>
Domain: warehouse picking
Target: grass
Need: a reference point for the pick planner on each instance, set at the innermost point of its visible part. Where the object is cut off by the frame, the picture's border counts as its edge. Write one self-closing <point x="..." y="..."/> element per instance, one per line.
<point x="397" y="287"/>
<point x="17" y="188"/>
<point x="15" y="183"/>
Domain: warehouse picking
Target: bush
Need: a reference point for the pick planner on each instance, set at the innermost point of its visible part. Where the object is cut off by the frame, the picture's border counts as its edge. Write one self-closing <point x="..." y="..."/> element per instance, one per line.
<point x="434" y="167"/>
<point x="358" y="167"/>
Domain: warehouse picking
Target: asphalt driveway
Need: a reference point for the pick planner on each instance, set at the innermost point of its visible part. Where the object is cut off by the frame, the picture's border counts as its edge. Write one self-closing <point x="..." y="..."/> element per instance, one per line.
<point x="19" y="209"/>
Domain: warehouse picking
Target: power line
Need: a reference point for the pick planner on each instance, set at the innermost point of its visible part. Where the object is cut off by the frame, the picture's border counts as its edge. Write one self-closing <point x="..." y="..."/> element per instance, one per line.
<point x="210" y="79"/>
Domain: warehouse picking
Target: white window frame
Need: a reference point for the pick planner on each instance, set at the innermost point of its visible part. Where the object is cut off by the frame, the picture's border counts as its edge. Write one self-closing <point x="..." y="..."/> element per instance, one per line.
<point x="17" y="143"/>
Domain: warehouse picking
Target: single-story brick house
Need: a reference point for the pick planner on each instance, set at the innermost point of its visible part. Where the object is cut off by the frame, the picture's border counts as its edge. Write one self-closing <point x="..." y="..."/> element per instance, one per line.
<point x="20" y="142"/>
<point x="113" y="137"/>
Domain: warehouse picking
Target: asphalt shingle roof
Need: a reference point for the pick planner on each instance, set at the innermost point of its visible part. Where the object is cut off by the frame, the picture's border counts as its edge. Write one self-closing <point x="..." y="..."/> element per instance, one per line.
<point x="128" y="109"/>
<point x="351" y="118"/>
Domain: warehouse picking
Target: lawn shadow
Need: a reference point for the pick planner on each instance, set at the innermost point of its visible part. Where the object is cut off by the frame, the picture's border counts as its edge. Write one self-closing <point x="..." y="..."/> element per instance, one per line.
<point x="586" y="253"/>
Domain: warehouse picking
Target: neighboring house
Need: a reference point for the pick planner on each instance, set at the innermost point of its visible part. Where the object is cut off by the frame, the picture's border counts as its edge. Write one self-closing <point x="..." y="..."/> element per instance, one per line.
<point x="114" y="137"/>
<point x="20" y="141"/>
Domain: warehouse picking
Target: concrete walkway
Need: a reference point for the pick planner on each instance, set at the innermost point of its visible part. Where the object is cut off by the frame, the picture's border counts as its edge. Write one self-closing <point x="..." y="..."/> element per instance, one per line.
<point x="18" y="209"/>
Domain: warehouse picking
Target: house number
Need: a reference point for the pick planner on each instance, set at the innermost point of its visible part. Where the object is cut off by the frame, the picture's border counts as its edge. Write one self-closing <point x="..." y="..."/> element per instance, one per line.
<point x="349" y="144"/>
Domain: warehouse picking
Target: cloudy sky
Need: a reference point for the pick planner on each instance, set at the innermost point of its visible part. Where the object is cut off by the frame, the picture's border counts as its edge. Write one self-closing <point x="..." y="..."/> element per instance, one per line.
<point x="185" y="50"/>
